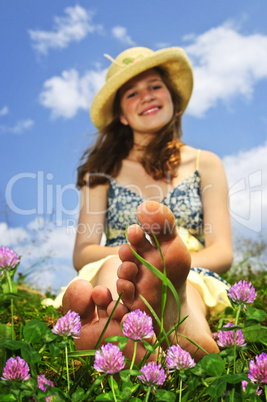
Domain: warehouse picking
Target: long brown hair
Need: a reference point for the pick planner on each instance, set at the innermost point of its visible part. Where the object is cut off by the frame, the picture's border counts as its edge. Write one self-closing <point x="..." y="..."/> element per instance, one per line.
<point x="114" y="142"/>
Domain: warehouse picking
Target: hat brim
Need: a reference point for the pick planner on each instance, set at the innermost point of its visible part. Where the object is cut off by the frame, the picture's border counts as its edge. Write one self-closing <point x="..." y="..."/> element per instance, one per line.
<point x="173" y="60"/>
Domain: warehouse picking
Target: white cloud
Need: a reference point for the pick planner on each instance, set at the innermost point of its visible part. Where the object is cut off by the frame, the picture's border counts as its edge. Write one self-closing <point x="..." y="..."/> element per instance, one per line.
<point x="58" y="242"/>
<point x="19" y="128"/>
<point x="45" y="250"/>
<point x="74" y="26"/>
<point x="53" y="276"/>
<point x="10" y="236"/>
<point x="4" y="111"/>
<point x="226" y="64"/>
<point x="67" y="94"/>
<point x="246" y="173"/>
<point x="120" y="33"/>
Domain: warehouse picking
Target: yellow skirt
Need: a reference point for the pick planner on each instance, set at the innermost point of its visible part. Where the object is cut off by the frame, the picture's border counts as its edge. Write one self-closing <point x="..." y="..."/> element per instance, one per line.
<point x="212" y="288"/>
<point x="88" y="272"/>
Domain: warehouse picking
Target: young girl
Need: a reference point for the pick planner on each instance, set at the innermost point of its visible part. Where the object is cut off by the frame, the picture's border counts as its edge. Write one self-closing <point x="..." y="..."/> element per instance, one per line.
<point x="140" y="175"/>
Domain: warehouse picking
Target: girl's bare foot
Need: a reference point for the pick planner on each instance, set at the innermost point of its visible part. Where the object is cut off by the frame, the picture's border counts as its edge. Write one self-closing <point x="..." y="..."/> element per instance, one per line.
<point x="92" y="304"/>
<point x="135" y="279"/>
<point x="95" y="305"/>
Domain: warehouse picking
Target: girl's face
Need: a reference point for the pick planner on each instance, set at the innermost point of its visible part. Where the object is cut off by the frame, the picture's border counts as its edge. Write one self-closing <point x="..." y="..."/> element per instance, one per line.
<point x="146" y="103"/>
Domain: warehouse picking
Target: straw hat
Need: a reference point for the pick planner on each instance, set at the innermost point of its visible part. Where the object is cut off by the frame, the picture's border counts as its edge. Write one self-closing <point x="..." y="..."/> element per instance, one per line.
<point x="134" y="61"/>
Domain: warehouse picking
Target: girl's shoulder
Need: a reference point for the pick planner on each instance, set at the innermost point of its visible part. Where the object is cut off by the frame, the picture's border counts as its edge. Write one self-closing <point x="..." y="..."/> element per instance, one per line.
<point x="208" y="160"/>
<point x="211" y="168"/>
<point x="191" y="153"/>
<point x="207" y="163"/>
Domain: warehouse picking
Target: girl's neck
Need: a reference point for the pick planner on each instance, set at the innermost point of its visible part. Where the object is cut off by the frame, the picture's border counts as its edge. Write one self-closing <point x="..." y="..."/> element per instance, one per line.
<point x="139" y="146"/>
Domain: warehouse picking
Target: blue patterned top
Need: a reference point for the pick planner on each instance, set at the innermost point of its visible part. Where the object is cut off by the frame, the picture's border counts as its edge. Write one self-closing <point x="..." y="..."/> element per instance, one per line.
<point x="184" y="201"/>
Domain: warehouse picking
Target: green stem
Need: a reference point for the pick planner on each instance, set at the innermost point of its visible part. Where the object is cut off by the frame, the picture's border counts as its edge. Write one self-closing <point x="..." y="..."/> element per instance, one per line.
<point x="265" y="389"/>
<point x="11" y="307"/>
<point x="233" y="395"/>
<point x="67" y="367"/>
<point x="238" y="314"/>
<point x="134" y="354"/>
<point x="180" y="390"/>
<point x="112" y="388"/>
<point x="147" y="394"/>
<point x="42" y="349"/>
<point x="236" y="323"/>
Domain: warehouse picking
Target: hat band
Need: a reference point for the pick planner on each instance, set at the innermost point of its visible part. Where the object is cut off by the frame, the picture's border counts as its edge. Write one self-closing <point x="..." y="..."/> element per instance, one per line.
<point x="125" y="62"/>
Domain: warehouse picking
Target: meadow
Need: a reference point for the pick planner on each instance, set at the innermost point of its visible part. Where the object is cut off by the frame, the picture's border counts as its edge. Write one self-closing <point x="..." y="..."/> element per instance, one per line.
<point x="38" y="360"/>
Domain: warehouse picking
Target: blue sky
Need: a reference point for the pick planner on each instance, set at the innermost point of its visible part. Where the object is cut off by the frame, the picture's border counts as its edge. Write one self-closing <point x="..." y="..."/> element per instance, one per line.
<point x="53" y="64"/>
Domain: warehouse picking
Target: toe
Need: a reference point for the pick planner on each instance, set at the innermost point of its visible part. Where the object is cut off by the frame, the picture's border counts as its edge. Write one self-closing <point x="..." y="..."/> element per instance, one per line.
<point x="138" y="240"/>
<point x="78" y="298"/>
<point x="120" y="311"/>
<point x="157" y="219"/>
<point x="128" y="290"/>
<point x="102" y="298"/>
<point x="127" y="270"/>
<point x="126" y="254"/>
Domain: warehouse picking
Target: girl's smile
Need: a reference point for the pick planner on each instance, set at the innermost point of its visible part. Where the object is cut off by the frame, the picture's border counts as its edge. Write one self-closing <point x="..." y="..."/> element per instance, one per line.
<point x="150" y="110"/>
<point x="146" y="103"/>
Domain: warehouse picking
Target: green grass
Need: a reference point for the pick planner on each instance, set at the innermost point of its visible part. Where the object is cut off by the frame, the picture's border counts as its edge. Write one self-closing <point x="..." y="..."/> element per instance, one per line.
<point x="214" y="378"/>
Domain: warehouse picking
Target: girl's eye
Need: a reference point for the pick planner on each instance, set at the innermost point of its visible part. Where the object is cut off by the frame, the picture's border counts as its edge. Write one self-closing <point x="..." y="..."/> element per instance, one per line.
<point x="131" y="94"/>
<point x="155" y="87"/>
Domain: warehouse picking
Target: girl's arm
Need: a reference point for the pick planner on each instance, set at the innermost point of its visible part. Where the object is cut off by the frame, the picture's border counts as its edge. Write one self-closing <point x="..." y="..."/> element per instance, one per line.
<point x="218" y="253"/>
<point x="93" y="205"/>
